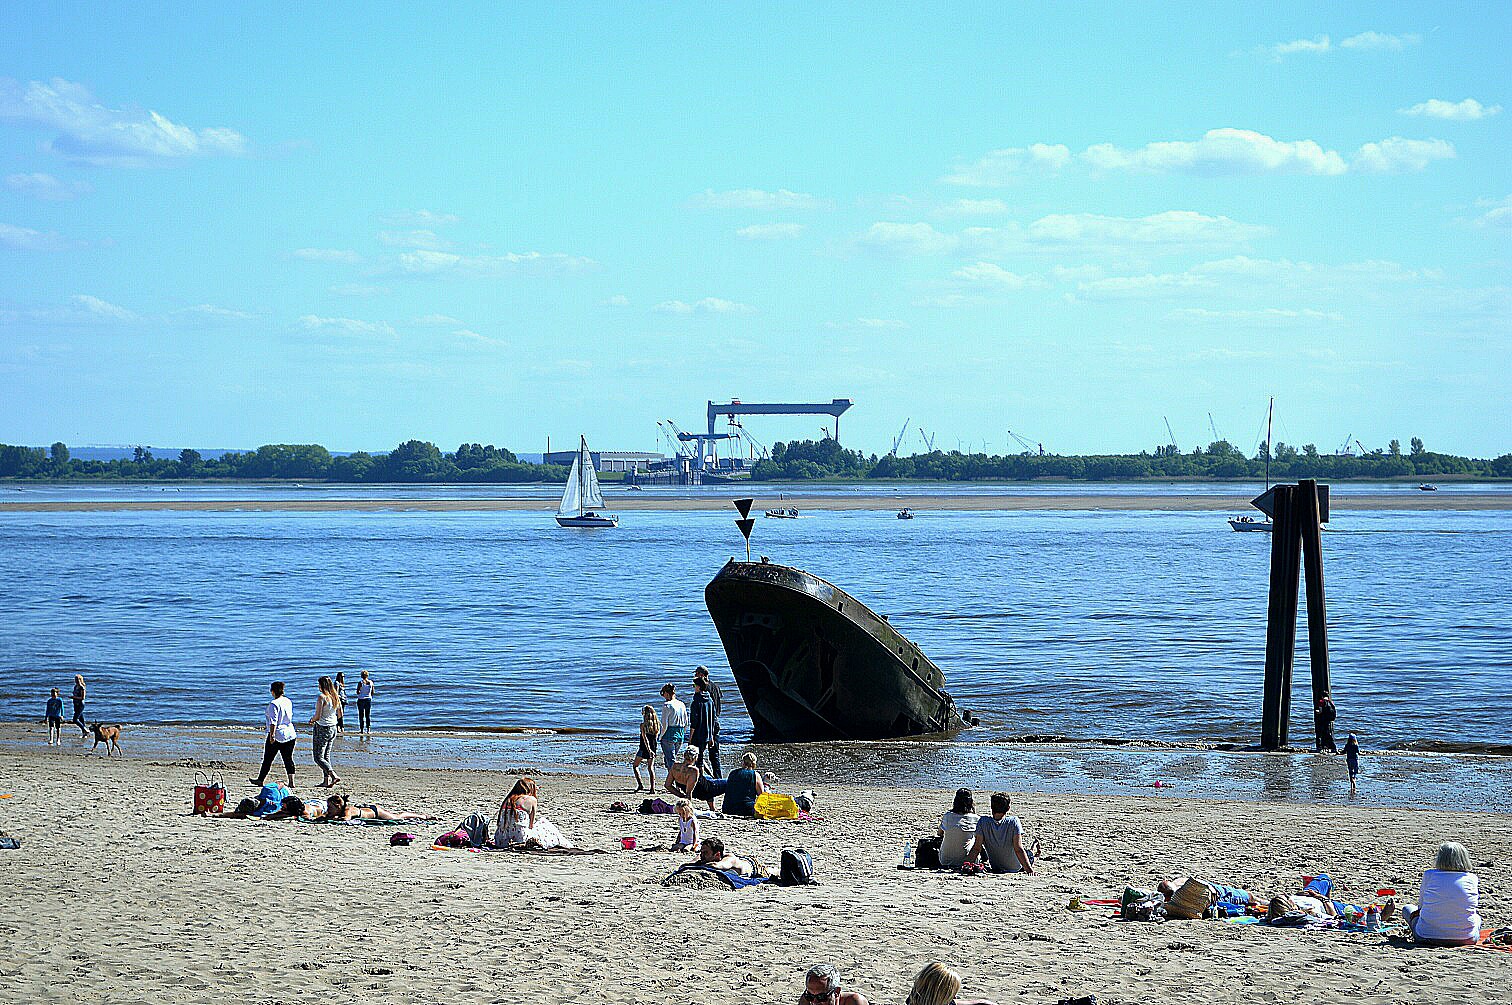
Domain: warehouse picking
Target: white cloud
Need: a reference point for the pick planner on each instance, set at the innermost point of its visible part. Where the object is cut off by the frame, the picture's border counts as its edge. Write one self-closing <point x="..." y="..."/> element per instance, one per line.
<point x="990" y="276"/>
<point x="347" y="326"/>
<point x="973" y="207"/>
<point x="212" y="311"/>
<point x="1397" y="155"/>
<point x="1241" y="273"/>
<point x="1172" y="228"/>
<point x="618" y="300"/>
<point x="360" y="290"/>
<point x="431" y="263"/>
<point x="1220" y="152"/>
<point x="45" y="186"/>
<point x="869" y="324"/>
<point x="1003" y="167"/>
<point x="1379" y="40"/>
<point x="103" y="308"/>
<point x="470" y="337"/>
<point x="439" y="320"/>
<point x="1498" y="213"/>
<point x="27" y="239"/>
<point x="427" y="240"/>
<point x="327" y="255"/>
<point x="1261" y="316"/>
<point x="1468" y="110"/>
<point x="910" y="239"/>
<point x="757" y="199"/>
<point x="951" y="301"/>
<point x="418" y="218"/>
<point x="770" y="231"/>
<point x="706" y="306"/>
<point x="1154" y="285"/>
<point x="1306" y="46"/>
<point x="93" y="133"/>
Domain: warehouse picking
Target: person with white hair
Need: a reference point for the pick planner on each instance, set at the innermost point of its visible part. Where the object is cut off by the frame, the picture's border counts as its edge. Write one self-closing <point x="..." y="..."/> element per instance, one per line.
<point x="821" y="986"/>
<point x="1448" y="908"/>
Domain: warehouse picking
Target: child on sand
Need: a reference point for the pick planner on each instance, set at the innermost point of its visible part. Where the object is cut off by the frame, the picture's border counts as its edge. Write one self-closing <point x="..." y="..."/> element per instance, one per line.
<point x="1352" y="758"/>
<point x="55" y="719"/>
<point x="687" y="827"/>
<point x="650" y="729"/>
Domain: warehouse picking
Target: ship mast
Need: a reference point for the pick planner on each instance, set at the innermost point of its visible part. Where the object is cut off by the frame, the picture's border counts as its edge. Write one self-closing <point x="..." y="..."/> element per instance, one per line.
<point x="1270" y="411"/>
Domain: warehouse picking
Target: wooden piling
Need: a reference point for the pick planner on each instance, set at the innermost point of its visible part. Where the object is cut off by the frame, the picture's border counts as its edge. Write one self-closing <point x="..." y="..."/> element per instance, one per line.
<point x="1311" y="530"/>
<point x="1281" y="619"/>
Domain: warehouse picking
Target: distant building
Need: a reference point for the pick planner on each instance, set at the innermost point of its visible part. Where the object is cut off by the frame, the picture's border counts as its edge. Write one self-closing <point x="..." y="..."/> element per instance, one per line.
<point x="607" y="460"/>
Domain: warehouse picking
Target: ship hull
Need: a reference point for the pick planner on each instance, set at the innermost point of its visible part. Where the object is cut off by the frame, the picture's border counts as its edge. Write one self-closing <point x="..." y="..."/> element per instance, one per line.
<point x="814" y="663"/>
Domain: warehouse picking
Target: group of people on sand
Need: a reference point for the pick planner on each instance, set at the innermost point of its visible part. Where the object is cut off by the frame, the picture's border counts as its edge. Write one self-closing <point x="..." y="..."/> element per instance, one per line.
<point x="277" y="803"/>
<point x="996" y="841"/>
<point x="327" y="722"/>
<point x="54" y="713"/>
<point x="679" y="727"/>
<point x="935" y="984"/>
<point x="1447" y="912"/>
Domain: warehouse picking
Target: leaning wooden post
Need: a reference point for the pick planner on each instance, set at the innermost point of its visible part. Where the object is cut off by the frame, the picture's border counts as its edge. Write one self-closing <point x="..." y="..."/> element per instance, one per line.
<point x="1311" y="528"/>
<point x="1281" y="620"/>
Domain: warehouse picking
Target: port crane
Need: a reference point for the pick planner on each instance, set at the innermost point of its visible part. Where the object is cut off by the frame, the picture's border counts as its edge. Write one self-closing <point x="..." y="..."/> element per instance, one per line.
<point x="705" y="444"/>
<point x="1214" y="427"/>
<point x="928" y="440"/>
<point x="898" y="440"/>
<point x="1171" y="442"/>
<point x="1029" y="446"/>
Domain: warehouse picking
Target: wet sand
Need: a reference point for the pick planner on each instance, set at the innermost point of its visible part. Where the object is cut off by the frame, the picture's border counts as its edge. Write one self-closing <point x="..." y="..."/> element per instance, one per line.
<point x="615" y="501"/>
<point x="117" y="894"/>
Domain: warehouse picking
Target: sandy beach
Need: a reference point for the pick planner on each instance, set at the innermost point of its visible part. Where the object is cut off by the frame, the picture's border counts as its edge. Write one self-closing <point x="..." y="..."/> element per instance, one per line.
<point x="118" y="894"/>
<point x="1239" y="502"/>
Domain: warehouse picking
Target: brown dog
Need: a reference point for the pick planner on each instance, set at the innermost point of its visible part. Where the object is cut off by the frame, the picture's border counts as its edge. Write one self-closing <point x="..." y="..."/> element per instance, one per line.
<point x="110" y="735"/>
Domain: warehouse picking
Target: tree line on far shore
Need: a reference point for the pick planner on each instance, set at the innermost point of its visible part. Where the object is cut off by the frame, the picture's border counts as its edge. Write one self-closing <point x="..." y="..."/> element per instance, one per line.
<point x="802" y="460"/>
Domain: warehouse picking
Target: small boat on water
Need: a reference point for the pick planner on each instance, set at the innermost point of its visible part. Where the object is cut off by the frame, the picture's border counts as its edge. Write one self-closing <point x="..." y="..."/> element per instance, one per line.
<point x="814" y="663"/>
<point x="582" y="499"/>
<point x="1249" y="524"/>
<point x="1427" y="487"/>
<point x="905" y="513"/>
<point x="790" y="513"/>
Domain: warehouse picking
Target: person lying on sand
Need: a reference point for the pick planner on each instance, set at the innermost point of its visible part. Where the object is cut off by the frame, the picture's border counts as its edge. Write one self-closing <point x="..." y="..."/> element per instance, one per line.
<point x="821" y="986"/>
<point x="1225" y="892"/>
<point x="685" y="779"/>
<point x="1320" y="908"/>
<point x="1000" y="840"/>
<point x="338" y="808"/>
<point x="711" y="853"/>
<point x="937" y="984"/>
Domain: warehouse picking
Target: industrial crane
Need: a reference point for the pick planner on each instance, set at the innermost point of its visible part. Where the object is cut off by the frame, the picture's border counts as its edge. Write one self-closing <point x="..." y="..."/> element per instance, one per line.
<point x="1214" y="427"/>
<point x="1171" y="433"/>
<point x="928" y="440"/>
<point x="898" y="440"/>
<point x="1029" y="446"/>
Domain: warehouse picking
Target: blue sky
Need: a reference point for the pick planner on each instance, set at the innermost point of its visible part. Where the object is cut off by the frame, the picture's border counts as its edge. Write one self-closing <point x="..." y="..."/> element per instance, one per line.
<point x="500" y="222"/>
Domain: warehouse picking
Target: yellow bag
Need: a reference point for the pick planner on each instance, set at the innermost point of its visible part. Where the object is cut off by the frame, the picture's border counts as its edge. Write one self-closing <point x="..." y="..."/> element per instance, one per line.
<point x="775" y="806"/>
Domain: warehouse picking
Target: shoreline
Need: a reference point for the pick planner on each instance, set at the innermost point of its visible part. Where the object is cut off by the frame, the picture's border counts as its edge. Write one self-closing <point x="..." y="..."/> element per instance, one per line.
<point x="172" y="900"/>
<point x="1071" y="502"/>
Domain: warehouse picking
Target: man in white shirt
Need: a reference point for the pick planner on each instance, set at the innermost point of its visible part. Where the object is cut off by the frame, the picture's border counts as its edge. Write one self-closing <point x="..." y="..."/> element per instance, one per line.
<point x="674" y="717"/>
<point x="281" y="738"/>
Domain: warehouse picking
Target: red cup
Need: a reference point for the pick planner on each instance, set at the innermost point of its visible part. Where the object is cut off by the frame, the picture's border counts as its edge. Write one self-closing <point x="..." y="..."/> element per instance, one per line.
<point x="627" y="843"/>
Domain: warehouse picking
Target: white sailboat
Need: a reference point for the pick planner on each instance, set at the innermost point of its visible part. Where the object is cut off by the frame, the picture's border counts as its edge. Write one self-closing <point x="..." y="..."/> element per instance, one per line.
<point x="1248" y="523"/>
<point x="582" y="499"/>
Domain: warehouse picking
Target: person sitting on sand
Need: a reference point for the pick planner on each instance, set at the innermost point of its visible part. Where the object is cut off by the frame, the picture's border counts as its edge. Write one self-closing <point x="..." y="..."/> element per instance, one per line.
<point x="338" y="808"/>
<point x="743" y="786"/>
<point x="685" y="779"/>
<point x="1448" y="912"/>
<point x="520" y="821"/>
<point x="821" y="986"/>
<point x="711" y="853"/>
<point x="937" y="984"/>
<point x="687" y="827"/>
<point x="1000" y="840"/>
<point x="958" y="829"/>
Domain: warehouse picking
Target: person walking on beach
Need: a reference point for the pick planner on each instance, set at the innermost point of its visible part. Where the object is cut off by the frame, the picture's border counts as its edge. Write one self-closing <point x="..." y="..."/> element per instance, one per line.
<point x="364" y="704"/>
<point x="280" y="739"/>
<point x="674" y="717"/>
<point x="341" y="701"/>
<point x="701" y="719"/>
<point x="324" y="735"/>
<point x="78" y="703"/>
<point x="1352" y="759"/>
<point x="1324" y="714"/>
<point x="718" y="698"/>
<point x="55" y="719"/>
<point x="650" y="730"/>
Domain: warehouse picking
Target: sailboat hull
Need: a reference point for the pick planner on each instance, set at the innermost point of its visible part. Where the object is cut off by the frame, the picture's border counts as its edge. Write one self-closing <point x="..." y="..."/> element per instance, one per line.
<point x="587" y="520"/>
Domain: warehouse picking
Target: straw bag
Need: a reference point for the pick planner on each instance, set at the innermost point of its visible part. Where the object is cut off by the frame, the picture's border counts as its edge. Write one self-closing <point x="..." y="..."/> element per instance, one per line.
<point x="1191" y="901"/>
<point x="209" y="797"/>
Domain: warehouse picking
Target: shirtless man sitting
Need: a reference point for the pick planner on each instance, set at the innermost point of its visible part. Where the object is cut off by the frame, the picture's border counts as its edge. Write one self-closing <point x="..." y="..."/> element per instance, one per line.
<point x="711" y="853"/>
<point x="685" y="779"/>
<point x="821" y="986"/>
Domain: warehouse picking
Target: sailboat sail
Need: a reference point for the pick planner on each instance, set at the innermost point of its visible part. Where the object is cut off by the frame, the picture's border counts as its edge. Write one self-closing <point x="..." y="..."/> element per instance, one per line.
<point x="593" y="498"/>
<point x="572" y="496"/>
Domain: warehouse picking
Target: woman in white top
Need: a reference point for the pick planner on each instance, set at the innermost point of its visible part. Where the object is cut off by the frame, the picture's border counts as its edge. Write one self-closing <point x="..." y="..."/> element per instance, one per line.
<point x="280" y="739"/>
<point x="958" y="830"/>
<point x="325" y="721"/>
<point x="1448" y="912"/>
<point x="365" y="704"/>
<point x="520" y="821"/>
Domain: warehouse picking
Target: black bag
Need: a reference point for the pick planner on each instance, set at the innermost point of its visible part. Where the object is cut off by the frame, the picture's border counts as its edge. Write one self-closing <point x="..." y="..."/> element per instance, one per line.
<point x="927" y="855"/>
<point x="797" y="868"/>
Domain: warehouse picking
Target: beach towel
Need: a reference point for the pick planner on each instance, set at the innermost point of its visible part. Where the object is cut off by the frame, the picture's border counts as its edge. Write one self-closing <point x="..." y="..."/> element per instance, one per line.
<point x="696" y="875"/>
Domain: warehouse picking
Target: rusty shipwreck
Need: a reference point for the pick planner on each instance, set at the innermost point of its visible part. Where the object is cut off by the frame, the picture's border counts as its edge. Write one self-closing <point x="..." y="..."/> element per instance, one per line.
<point x="814" y="663"/>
